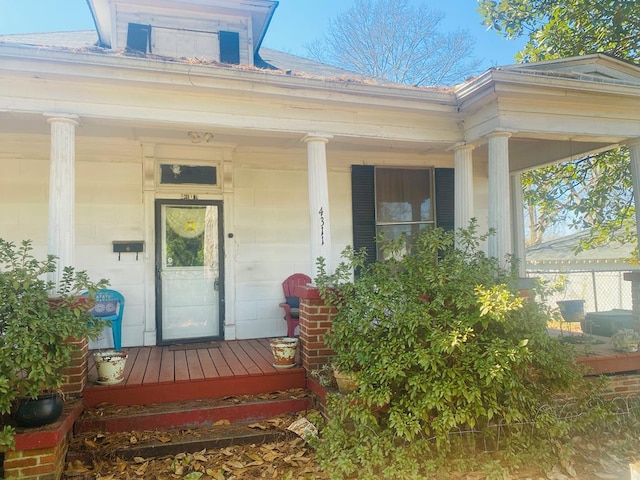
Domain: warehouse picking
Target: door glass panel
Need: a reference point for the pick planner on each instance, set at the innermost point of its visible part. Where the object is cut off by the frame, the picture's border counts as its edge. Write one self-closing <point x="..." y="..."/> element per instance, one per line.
<point x="189" y="272"/>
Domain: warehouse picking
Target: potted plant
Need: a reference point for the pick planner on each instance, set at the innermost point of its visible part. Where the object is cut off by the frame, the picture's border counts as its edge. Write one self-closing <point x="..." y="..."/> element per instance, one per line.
<point x="36" y="330"/>
<point x="626" y="340"/>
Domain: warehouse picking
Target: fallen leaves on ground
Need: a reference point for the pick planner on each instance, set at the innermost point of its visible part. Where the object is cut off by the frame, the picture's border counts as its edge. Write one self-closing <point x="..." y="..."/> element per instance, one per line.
<point x="601" y="457"/>
<point x="291" y="459"/>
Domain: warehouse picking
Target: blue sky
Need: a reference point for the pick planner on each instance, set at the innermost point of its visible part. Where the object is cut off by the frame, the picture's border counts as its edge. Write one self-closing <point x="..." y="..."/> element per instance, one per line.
<point x="295" y="23"/>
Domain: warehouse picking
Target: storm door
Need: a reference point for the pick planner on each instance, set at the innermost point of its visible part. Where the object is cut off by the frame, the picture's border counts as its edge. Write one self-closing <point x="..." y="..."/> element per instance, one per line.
<point x="189" y="273"/>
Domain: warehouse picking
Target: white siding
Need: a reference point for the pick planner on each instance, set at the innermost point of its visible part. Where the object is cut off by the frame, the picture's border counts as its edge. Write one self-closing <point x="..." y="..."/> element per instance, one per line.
<point x="269" y="219"/>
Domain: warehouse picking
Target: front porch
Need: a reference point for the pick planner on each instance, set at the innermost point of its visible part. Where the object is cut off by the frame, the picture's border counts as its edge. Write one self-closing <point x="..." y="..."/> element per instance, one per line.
<point x="194" y="372"/>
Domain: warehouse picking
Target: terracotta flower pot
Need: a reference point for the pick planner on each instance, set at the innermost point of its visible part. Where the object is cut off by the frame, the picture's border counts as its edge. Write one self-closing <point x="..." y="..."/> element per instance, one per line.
<point x="346" y="381"/>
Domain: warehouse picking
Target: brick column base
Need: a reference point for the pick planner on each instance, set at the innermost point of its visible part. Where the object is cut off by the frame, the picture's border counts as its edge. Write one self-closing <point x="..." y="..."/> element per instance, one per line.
<point x="315" y="321"/>
<point x="75" y="375"/>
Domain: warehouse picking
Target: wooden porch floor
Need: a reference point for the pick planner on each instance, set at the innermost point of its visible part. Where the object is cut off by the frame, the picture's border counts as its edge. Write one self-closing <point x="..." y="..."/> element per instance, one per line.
<point x="167" y="374"/>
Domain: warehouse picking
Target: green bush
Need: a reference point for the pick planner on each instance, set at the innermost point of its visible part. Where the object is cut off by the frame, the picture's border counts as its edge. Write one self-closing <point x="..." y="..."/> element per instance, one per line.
<point x="440" y="342"/>
<point x="34" y="346"/>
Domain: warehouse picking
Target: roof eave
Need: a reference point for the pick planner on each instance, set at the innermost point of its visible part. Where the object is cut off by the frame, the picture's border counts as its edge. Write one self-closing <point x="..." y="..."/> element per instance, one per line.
<point x="420" y="98"/>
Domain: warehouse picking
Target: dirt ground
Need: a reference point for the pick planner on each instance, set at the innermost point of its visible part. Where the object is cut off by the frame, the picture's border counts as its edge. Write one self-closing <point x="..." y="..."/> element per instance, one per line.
<point x="590" y="459"/>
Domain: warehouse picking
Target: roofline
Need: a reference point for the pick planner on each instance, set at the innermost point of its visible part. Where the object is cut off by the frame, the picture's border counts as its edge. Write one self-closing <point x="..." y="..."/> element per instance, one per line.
<point x="483" y="85"/>
<point x="444" y="101"/>
<point x="95" y="21"/>
<point x="256" y="48"/>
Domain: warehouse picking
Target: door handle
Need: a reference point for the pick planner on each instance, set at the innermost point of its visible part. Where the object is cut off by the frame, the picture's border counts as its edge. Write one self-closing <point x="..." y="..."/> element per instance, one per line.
<point x="216" y="284"/>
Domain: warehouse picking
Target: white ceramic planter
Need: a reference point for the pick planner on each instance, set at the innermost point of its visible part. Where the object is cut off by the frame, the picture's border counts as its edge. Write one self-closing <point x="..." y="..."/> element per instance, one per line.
<point x="284" y="351"/>
<point x="110" y="365"/>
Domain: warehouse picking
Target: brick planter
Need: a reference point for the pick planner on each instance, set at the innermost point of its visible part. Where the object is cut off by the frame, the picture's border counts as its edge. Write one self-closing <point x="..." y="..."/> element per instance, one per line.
<point x="40" y="453"/>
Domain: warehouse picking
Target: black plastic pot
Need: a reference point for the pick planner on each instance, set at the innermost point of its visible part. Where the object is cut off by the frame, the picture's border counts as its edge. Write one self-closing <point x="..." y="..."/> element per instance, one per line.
<point x="40" y="411"/>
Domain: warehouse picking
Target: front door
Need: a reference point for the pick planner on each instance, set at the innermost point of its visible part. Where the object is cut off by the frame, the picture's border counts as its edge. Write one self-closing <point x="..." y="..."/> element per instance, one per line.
<point x="189" y="273"/>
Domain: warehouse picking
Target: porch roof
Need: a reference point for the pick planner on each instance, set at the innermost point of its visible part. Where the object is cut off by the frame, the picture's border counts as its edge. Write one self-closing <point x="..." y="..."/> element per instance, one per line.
<point x="555" y="110"/>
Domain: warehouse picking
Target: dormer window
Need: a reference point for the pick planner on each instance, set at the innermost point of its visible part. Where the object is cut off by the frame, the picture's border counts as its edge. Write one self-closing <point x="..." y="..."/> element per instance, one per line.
<point x="226" y="31"/>
<point x="139" y="37"/>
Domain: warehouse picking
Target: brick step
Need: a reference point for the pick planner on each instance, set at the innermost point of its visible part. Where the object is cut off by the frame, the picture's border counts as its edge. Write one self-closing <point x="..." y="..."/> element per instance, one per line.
<point x="242" y="408"/>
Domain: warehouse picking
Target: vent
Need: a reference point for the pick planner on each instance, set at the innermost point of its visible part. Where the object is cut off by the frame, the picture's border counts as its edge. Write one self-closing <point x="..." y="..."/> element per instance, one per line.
<point x="230" y="47"/>
<point x="138" y="37"/>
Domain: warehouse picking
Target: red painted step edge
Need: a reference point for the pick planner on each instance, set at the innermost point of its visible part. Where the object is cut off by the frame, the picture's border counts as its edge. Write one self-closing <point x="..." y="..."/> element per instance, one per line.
<point x="181" y="392"/>
<point x="193" y="418"/>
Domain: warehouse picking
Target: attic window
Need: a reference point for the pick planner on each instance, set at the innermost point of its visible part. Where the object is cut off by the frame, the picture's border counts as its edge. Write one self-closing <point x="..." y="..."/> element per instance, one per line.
<point x="229" y="47"/>
<point x="138" y="37"/>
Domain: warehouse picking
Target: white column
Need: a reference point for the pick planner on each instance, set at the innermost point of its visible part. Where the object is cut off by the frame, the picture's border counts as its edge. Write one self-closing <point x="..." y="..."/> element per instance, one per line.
<point x="463" y="185"/>
<point x="61" y="230"/>
<point x="634" y="149"/>
<point x="148" y="201"/>
<point x="499" y="198"/>
<point x="319" y="218"/>
<point x="517" y="200"/>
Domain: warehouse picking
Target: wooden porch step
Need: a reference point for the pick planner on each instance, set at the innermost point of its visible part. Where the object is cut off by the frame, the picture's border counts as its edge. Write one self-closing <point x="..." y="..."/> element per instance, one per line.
<point x="113" y="418"/>
<point x="165" y="375"/>
<point x="88" y="447"/>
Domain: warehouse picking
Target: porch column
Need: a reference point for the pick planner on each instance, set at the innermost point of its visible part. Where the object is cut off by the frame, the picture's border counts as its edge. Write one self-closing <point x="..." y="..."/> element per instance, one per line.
<point x="61" y="229"/>
<point x="463" y="185"/>
<point x="319" y="218"/>
<point x="499" y="197"/>
<point x="517" y="199"/>
<point x="634" y="150"/>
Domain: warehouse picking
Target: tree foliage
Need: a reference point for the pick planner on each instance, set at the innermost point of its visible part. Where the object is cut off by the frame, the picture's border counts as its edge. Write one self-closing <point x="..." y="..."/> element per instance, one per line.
<point x="592" y="192"/>
<point x="562" y="28"/>
<point x="396" y="41"/>
<point x="440" y="343"/>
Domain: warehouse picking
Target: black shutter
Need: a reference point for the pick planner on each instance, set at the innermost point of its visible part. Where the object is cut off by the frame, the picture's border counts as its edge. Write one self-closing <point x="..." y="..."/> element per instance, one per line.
<point x="363" y="208"/>
<point x="229" y="47"/>
<point x="138" y="37"/>
<point x="445" y="198"/>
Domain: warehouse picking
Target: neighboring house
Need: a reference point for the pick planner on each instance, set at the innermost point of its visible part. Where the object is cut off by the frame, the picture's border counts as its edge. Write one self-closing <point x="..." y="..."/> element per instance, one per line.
<point x="232" y="167"/>
<point x="563" y="254"/>
<point x="595" y="275"/>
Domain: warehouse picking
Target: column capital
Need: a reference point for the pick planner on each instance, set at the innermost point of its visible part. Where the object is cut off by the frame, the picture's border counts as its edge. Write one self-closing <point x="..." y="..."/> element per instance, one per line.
<point x="317" y="137"/>
<point x="501" y="132"/>
<point x="62" y="117"/>
<point x="462" y="146"/>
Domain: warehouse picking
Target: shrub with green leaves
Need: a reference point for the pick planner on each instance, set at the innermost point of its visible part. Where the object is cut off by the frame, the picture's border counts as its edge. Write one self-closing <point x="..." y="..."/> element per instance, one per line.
<point x="34" y="337"/>
<point x="440" y="342"/>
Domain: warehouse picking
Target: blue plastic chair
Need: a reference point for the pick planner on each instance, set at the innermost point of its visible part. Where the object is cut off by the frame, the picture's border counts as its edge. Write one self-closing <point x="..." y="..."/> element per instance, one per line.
<point x="110" y="306"/>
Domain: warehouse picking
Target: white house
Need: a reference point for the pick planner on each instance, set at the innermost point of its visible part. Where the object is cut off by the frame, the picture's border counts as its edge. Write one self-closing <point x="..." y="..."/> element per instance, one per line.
<point x="172" y="155"/>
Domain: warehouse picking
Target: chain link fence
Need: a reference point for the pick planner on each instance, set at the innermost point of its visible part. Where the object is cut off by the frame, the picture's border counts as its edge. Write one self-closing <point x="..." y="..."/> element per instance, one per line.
<point x="601" y="290"/>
